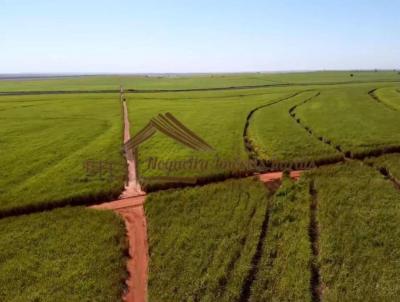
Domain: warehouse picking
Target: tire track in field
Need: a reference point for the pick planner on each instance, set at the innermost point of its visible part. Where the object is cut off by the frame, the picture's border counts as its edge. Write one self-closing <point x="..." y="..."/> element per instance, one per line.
<point x="347" y="155"/>
<point x="373" y="95"/>
<point x="246" y="288"/>
<point x="272" y="181"/>
<point x="248" y="144"/>
<point x="292" y="113"/>
<point x="313" y="231"/>
<point x="385" y="172"/>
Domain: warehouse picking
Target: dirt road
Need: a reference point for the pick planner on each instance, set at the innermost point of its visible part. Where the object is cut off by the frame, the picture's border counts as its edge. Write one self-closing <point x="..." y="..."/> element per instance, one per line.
<point x="130" y="207"/>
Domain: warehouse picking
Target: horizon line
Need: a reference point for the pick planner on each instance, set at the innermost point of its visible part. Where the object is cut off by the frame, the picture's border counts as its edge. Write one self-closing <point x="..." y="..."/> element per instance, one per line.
<point x="72" y="74"/>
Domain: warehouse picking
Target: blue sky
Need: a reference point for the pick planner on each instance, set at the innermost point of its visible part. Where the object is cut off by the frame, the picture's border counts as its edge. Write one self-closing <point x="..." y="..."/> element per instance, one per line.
<point x="197" y="36"/>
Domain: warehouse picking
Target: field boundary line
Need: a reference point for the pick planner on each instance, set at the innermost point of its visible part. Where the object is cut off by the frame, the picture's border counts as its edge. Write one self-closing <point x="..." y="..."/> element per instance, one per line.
<point x="252" y="273"/>
<point x="257" y="86"/>
<point x="347" y="155"/>
<point x="292" y="113"/>
<point x="314" y="233"/>
<point x="131" y="90"/>
<point x="384" y="171"/>
<point x="373" y="95"/>
<point x="209" y="97"/>
<point x="248" y="144"/>
<point x="50" y="92"/>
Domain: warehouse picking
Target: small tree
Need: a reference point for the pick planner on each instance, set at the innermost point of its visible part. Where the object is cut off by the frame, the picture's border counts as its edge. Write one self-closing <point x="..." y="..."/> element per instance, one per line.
<point x="352" y="75"/>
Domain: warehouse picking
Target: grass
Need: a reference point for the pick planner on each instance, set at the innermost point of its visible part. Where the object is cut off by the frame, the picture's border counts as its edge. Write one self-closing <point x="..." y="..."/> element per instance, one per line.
<point x="352" y="119"/>
<point x="358" y="214"/>
<point x="390" y="96"/>
<point x="276" y="135"/>
<point x="202" y="240"/>
<point x="70" y="254"/>
<point x="193" y="81"/>
<point x="391" y="162"/>
<point x="218" y="119"/>
<point x="284" y="269"/>
<point x="364" y="126"/>
<point x="45" y="141"/>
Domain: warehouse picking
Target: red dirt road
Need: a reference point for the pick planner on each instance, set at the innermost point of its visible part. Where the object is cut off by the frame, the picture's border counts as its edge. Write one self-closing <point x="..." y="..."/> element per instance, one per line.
<point x="132" y="211"/>
<point x="132" y="188"/>
<point x="136" y="225"/>
<point x="130" y="207"/>
<point x="274" y="176"/>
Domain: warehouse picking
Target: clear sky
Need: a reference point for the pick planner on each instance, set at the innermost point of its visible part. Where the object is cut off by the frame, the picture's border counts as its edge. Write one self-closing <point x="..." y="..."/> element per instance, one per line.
<point x="197" y="36"/>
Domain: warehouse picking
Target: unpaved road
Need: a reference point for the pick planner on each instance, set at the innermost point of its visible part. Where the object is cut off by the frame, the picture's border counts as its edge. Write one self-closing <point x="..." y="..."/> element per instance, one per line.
<point x="131" y="208"/>
<point x="133" y="187"/>
<point x="275" y="176"/>
<point x="132" y="211"/>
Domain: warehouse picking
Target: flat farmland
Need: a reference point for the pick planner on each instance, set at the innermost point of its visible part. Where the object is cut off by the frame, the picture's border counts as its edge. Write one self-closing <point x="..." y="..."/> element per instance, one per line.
<point x="214" y="231"/>
<point x="45" y="142"/>
<point x="353" y="120"/>
<point x="389" y="96"/>
<point x="358" y="213"/>
<point x="277" y="136"/>
<point x="71" y="254"/>
<point x="192" y="81"/>
<point x="328" y="236"/>
<point x="218" y="119"/>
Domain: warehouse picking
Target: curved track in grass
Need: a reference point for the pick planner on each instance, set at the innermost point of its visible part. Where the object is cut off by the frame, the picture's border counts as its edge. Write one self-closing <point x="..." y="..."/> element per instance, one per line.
<point x="346" y="155"/>
<point x="292" y="113"/>
<point x="246" y="139"/>
<point x="373" y="95"/>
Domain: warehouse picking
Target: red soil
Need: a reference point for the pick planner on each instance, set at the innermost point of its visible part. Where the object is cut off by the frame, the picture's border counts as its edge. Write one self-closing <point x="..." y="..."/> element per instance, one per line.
<point x="137" y="265"/>
<point x="130" y="207"/>
<point x="274" y="176"/>
<point x="132" y="188"/>
<point x="131" y="210"/>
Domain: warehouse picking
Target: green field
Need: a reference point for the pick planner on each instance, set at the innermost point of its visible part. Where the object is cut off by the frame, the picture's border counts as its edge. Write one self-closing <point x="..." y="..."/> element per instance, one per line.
<point x="218" y="118"/>
<point x="390" y="97"/>
<point x="277" y="136"/>
<point x="284" y="269"/>
<point x="203" y="240"/>
<point x="205" y="81"/>
<point x="333" y="233"/>
<point x="67" y="255"/>
<point x="46" y="141"/>
<point x="358" y="213"/>
<point x="352" y="119"/>
<point x="390" y="162"/>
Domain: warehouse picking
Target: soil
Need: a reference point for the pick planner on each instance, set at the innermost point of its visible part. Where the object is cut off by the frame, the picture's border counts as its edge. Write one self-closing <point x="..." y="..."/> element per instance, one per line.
<point x="130" y="207"/>
<point x="275" y="176"/>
